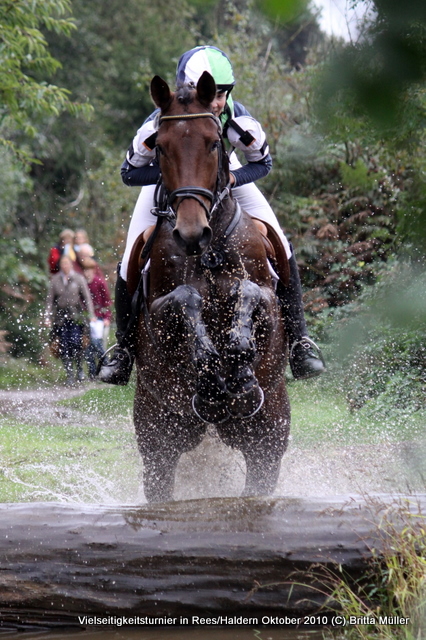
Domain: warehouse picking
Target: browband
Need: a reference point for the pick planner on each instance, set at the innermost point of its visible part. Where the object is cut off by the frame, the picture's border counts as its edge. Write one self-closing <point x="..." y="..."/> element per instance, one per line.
<point x="190" y="116"/>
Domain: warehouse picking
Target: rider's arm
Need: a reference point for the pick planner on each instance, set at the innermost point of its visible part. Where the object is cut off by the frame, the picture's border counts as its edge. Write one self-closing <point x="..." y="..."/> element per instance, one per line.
<point x="255" y="150"/>
<point x="252" y="171"/>
<point x="139" y="176"/>
<point x="140" y="167"/>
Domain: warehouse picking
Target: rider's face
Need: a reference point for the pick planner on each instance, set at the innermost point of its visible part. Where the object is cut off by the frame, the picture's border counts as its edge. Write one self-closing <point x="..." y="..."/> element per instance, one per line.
<point x="218" y="103"/>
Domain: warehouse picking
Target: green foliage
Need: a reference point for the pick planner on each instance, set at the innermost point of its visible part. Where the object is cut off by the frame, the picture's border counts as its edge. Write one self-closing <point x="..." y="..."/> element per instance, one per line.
<point x="112" y="56"/>
<point x="374" y="91"/>
<point x="378" y="71"/>
<point x="15" y="180"/>
<point x="385" y="346"/>
<point x="387" y="376"/>
<point x="28" y="100"/>
<point x="25" y="57"/>
<point x="344" y="229"/>
<point x="106" y="208"/>
<point x="282" y="10"/>
<point x="349" y="195"/>
<point x="22" y="283"/>
<point x="357" y="177"/>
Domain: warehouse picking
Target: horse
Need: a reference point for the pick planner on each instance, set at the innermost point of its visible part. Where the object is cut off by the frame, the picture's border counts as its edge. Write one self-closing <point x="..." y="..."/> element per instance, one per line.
<point x="211" y="344"/>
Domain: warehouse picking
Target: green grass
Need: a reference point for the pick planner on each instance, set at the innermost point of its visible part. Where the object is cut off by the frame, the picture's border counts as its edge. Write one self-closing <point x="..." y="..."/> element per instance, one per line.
<point x="318" y="409"/>
<point x="320" y="414"/>
<point x="18" y="373"/>
<point x="70" y="462"/>
<point x="107" y="401"/>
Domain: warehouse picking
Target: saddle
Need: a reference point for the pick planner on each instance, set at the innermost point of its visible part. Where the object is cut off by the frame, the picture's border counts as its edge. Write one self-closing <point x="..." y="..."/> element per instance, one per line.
<point x="136" y="264"/>
<point x="275" y="253"/>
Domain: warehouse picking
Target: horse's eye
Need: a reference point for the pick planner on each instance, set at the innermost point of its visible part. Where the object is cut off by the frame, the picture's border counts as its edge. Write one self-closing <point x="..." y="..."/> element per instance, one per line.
<point x="215" y="146"/>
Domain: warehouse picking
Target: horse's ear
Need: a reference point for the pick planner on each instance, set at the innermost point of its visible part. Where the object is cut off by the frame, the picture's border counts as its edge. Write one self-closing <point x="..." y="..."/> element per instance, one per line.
<point x="160" y="93"/>
<point x="206" y="89"/>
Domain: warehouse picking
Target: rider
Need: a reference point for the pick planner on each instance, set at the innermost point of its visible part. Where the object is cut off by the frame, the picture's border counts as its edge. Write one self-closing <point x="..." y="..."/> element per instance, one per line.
<point x="140" y="168"/>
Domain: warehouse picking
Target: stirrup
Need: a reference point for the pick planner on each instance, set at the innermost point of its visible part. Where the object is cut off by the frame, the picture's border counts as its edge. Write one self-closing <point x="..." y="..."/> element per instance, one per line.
<point x="102" y="362"/>
<point x="306" y="343"/>
<point x="117" y="370"/>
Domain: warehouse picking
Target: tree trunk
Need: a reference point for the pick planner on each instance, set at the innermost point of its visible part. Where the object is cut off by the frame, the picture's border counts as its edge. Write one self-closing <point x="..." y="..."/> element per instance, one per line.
<point x="233" y="557"/>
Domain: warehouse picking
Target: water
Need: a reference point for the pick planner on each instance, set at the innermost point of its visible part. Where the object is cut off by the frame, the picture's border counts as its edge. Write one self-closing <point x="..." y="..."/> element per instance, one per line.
<point x="111" y="472"/>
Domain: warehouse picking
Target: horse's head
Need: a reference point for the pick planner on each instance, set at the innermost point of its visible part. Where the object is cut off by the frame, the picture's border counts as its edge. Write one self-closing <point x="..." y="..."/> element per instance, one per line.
<point x="193" y="165"/>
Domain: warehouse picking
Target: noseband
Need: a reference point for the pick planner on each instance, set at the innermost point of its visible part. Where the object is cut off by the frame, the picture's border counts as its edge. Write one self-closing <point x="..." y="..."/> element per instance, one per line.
<point x="163" y="199"/>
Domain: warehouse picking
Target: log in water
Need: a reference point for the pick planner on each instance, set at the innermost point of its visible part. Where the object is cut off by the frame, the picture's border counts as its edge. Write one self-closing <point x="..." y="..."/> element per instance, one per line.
<point x="233" y="557"/>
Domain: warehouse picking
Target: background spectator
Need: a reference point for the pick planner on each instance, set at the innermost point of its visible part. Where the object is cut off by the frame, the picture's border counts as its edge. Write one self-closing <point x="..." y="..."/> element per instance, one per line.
<point x="64" y="246"/>
<point x="85" y="259"/>
<point x="99" y="328"/>
<point x="67" y="301"/>
<point x="80" y="238"/>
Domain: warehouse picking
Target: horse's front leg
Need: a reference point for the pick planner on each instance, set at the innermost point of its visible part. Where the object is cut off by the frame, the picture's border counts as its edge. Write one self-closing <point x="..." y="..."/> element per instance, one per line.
<point x="184" y="304"/>
<point x="244" y="393"/>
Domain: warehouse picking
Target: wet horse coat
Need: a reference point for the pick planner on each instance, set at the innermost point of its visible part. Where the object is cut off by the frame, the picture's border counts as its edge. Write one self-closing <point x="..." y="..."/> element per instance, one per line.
<point x="211" y="343"/>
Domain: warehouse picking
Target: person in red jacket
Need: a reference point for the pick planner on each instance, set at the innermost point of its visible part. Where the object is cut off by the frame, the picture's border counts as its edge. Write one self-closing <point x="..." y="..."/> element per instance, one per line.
<point x="63" y="247"/>
<point x="102" y="304"/>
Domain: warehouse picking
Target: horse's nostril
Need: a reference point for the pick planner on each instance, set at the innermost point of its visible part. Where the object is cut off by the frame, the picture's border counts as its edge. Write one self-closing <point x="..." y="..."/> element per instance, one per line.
<point x="206" y="237"/>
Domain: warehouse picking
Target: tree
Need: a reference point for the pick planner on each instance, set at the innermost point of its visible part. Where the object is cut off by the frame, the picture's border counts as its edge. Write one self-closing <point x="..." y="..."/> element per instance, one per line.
<point x="374" y="91"/>
<point x="24" y="60"/>
<point x="27" y="98"/>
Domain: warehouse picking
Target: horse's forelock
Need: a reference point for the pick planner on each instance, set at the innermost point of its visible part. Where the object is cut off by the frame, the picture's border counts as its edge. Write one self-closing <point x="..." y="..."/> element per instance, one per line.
<point x="185" y="95"/>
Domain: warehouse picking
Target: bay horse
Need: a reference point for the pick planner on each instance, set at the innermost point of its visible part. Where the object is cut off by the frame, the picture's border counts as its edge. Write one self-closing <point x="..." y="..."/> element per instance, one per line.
<point x="210" y="337"/>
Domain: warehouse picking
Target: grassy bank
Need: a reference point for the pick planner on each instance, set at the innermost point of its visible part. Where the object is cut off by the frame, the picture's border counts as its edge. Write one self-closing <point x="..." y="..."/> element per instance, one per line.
<point x="18" y="373"/>
<point x="51" y="449"/>
<point x="320" y="413"/>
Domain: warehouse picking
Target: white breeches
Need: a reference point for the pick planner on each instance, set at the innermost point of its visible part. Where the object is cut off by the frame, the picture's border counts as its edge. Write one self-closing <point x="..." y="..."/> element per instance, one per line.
<point x="249" y="197"/>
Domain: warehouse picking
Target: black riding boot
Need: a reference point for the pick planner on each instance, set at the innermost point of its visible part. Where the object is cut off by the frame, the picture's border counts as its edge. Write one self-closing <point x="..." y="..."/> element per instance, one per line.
<point x="305" y="357"/>
<point x="118" y="369"/>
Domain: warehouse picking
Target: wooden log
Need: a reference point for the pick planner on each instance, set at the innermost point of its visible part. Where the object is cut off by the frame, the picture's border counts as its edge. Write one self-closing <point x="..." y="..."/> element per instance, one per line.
<point x="60" y="562"/>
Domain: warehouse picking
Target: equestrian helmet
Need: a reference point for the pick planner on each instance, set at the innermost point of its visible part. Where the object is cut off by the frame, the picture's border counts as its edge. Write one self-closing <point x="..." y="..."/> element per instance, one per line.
<point x="205" y="58"/>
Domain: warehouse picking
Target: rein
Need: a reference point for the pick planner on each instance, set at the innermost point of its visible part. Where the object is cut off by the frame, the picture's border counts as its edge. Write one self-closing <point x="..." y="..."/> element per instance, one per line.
<point x="163" y="199"/>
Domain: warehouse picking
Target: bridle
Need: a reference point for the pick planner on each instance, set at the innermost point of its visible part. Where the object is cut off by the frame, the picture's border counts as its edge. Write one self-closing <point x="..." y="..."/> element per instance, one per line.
<point x="164" y="199"/>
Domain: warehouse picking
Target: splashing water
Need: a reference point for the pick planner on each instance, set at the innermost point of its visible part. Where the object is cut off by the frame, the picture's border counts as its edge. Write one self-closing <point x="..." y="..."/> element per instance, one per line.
<point x="331" y="452"/>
